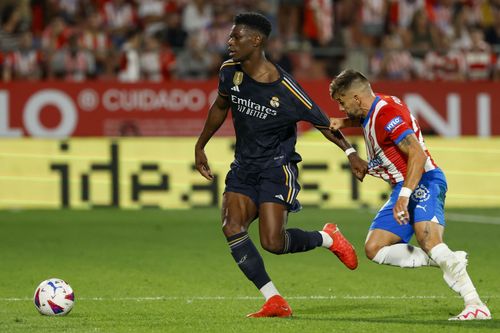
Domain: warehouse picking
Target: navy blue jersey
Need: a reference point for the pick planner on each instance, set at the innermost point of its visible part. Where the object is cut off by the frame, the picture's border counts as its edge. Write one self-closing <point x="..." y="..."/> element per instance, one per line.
<point x="265" y="116"/>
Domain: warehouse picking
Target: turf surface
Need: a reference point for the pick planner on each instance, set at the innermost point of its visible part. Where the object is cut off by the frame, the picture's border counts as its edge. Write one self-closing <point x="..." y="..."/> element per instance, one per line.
<point x="171" y="271"/>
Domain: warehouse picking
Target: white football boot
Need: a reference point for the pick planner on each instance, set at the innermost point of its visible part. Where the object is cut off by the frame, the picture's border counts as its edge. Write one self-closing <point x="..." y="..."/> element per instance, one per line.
<point x="473" y="312"/>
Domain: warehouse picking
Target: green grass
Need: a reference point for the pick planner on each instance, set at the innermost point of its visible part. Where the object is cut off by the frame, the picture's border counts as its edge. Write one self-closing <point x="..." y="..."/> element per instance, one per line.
<point x="171" y="271"/>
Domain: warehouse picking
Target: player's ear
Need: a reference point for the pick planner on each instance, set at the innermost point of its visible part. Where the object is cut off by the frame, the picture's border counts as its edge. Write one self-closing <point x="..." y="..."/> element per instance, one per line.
<point x="257" y="40"/>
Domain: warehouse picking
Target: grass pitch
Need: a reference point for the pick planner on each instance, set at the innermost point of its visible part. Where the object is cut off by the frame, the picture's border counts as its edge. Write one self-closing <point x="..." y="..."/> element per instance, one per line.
<point x="171" y="271"/>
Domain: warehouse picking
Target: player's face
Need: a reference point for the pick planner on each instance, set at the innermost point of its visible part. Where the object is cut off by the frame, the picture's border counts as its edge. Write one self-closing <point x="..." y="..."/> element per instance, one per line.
<point x="241" y="42"/>
<point x="350" y="104"/>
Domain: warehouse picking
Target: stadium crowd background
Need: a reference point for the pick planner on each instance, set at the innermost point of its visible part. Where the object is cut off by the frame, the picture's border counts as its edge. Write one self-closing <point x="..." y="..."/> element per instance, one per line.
<point x="156" y="40"/>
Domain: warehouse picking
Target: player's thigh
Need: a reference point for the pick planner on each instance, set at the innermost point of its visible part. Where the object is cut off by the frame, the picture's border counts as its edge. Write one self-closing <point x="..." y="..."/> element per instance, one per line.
<point x="377" y="239"/>
<point x="272" y="222"/>
<point x="238" y="211"/>
<point x="428" y="234"/>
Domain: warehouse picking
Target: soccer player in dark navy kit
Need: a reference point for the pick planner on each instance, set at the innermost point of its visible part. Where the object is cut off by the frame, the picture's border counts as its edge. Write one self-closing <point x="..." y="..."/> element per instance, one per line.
<point x="266" y="103"/>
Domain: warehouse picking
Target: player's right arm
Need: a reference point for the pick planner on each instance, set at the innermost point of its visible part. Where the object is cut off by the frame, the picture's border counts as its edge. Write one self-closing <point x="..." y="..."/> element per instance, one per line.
<point x="216" y="116"/>
<point x="339" y="123"/>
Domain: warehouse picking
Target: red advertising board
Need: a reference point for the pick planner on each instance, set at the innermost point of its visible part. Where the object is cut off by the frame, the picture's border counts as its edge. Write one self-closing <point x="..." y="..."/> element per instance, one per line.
<point x="59" y="109"/>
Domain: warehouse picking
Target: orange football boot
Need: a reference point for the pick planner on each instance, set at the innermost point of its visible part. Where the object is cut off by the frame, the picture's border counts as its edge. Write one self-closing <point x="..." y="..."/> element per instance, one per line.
<point x="276" y="306"/>
<point x="341" y="246"/>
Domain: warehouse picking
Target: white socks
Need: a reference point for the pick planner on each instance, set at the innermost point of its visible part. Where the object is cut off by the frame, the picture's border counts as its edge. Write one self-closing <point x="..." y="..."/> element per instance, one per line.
<point x="327" y="240"/>
<point x="269" y="290"/>
<point x="403" y="255"/>
<point x="455" y="273"/>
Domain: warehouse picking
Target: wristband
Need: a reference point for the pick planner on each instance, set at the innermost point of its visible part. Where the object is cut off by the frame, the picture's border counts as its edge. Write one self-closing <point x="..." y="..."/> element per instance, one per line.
<point x="405" y="192"/>
<point x="349" y="151"/>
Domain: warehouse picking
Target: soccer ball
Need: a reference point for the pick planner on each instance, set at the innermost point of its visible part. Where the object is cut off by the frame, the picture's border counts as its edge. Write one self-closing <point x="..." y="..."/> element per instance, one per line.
<point x="54" y="297"/>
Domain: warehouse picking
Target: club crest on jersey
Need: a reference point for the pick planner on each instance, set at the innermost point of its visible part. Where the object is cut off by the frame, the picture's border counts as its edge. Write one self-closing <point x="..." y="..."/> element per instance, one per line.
<point x="237" y="79"/>
<point x="395" y="122"/>
<point x="275" y="102"/>
<point x="421" y="193"/>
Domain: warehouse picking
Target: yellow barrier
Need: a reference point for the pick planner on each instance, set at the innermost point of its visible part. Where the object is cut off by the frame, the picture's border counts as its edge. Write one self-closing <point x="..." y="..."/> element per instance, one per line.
<point x="159" y="172"/>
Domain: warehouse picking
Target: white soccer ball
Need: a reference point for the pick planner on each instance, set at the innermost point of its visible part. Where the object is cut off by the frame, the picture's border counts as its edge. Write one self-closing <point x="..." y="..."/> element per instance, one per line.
<point x="54" y="297"/>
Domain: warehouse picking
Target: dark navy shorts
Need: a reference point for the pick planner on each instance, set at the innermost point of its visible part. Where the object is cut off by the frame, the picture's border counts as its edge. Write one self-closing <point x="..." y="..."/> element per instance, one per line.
<point x="426" y="204"/>
<point x="278" y="184"/>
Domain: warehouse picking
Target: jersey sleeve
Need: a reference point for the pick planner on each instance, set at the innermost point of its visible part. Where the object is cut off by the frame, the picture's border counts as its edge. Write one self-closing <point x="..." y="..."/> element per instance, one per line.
<point x="392" y="123"/>
<point x="223" y="83"/>
<point x="306" y="109"/>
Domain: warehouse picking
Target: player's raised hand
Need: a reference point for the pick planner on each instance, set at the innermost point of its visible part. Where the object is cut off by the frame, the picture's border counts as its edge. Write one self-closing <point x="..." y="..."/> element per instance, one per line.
<point x="336" y="123"/>
<point x="359" y="167"/>
<point x="201" y="162"/>
<point x="400" y="210"/>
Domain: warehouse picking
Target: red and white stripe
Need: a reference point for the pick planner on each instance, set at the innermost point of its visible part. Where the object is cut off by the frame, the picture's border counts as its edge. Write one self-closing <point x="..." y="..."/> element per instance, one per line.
<point x="385" y="159"/>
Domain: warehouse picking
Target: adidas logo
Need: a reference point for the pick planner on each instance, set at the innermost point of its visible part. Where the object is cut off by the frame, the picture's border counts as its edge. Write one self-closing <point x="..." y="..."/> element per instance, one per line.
<point x="279" y="196"/>
<point x="235" y="88"/>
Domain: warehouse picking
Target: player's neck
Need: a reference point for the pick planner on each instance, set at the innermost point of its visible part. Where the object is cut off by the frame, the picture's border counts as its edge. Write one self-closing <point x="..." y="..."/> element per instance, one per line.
<point x="260" y="69"/>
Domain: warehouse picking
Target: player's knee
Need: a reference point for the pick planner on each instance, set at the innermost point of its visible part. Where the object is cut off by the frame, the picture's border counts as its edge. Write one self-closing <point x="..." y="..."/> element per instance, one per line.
<point x="231" y="228"/>
<point x="272" y="244"/>
<point x="371" y="250"/>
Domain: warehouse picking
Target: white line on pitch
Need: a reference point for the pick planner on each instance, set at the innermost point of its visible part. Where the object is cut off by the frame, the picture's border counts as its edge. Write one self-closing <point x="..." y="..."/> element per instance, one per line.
<point x="232" y="298"/>
<point x="473" y="218"/>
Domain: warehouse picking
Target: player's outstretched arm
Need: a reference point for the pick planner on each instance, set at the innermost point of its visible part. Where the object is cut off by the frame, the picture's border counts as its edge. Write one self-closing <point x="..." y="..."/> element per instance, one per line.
<point x="339" y="123"/>
<point x="359" y="167"/>
<point x="216" y="116"/>
<point x="416" y="162"/>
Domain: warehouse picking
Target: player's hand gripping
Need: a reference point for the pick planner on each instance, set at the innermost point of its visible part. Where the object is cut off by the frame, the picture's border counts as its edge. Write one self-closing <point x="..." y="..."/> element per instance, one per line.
<point x="201" y="162"/>
<point x="336" y="123"/>
<point x="400" y="210"/>
<point x="359" y="167"/>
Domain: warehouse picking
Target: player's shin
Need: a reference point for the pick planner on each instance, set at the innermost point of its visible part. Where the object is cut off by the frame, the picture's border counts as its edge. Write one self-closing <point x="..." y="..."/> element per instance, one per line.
<point x="297" y="240"/>
<point x="403" y="255"/>
<point x="251" y="264"/>
<point x="454" y="266"/>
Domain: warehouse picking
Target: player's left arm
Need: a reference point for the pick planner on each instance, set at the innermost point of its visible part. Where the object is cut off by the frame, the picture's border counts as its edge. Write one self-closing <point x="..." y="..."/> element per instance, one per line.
<point x="359" y="167"/>
<point x="415" y="165"/>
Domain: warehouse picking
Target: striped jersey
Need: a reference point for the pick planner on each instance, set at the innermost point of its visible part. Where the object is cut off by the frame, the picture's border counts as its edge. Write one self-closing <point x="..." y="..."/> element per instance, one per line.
<point x="387" y="123"/>
<point x="265" y="116"/>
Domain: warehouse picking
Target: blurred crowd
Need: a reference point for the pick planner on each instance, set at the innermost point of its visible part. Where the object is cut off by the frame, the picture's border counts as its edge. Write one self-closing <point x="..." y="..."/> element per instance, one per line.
<point x="156" y="40"/>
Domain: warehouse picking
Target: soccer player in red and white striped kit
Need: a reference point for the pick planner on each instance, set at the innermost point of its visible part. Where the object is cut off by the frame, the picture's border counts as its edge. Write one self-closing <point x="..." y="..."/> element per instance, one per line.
<point x="397" y="153"/>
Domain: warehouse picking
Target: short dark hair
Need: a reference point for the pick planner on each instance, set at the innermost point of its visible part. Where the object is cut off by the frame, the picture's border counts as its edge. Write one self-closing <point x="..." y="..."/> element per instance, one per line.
<point x="255" y="21"/>
<point x="344" y="80"/>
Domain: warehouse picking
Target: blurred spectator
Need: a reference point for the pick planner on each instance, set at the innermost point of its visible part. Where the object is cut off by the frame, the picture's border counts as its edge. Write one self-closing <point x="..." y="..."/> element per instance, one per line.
<point x="196" y="16"/>
<point x="194" y="62"/>
<point x="130" y="68"/>
<point x="26" y="63"/>
<point x="56" y="35"/>
<point x="119" y="17"/>
<point x="492" y="33"/>
<point x="479" y="60"/>
<point x="9" y="29"/>
<point x="373" y="14"/>
<point x="289" y="21"/>
<point x="73" y="63"/>
<point x="441" y="14"/>
<point x="276" y="54"/>
<point x="215" y="35"/>
<point x="95" y="40"/>
<point x="421" y="35"/>
<point x="444" y="63"/>
<point x="392" y="62"/>
<point x="156" y="62"/>
<point x="406" y="10"/>
<point x="174" y="35"/>
<point x="318" y="21"/>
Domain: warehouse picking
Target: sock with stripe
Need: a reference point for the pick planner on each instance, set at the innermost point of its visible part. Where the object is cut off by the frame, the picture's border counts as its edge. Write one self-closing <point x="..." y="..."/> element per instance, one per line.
<point x="250" y="262"/>
<point x="297" y="240"/>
